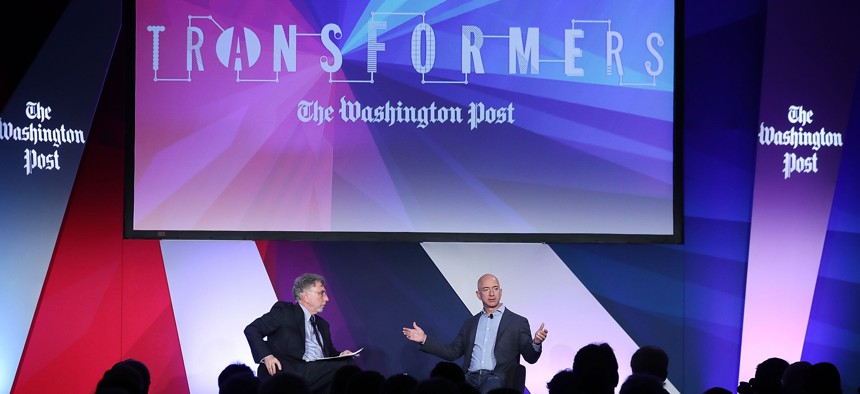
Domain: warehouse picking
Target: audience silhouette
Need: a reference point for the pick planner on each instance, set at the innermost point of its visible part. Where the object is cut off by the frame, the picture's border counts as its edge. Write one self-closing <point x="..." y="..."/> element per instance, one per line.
<point x="824" y="378"/>
<point x="795" y="377"/>
<point x="562" y="383"/>
<point x="127" y="376"/>
<point x="777" y="376"/>
<point x="436" y="386"/>
<point x="504" y="390"/>
<point x="399" y="384"/>
<point x="365" y="382"/>
<point x="717" y="390"/>
<point x="466" y="388"/>
<point x="142" y="369"/>
<point x="341" y="378"/>
<point x="595" y="369"/>
<point x="651" y="360"/>
<point x="642" y="383"/>
<point x="240" y="383"/>
<point x="448" y="370"/>
<point x="284" y="382"/>
<point x="233" y="370"/>
<point x="768" y="378"/>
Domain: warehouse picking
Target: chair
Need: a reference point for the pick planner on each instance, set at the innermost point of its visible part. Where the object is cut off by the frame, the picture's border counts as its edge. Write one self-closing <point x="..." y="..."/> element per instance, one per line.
<point x="516" y="378"/>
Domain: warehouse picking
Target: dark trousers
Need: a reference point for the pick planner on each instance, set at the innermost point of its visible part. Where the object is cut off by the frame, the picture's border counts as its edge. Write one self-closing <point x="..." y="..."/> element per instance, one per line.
<point x="484" y="380"/>
<point x="316" y="374"/>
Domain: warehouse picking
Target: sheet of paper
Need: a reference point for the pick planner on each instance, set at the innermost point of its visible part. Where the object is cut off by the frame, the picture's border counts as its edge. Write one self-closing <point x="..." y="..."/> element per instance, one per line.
<point x="353" y="354"/>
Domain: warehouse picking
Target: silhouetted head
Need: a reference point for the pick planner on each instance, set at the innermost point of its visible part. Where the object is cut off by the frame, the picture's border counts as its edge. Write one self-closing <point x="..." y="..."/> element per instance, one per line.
<point x="794" y="379"/>
<point x="563" y="382"/>
<point x="595" y="368"/>
<point x="399" y="384"/>
<point x="121" y="377"/>
<point x="448" y="370"/>
<point x="284" y="382"/>
<point x="240" y="383"/>
<point x="824" y="378"/>
<point x="341" y="378"/>
<point x="651" y="360"/>
<point x="642" y="383"/>
<point x="768" y="376"/>
<point x="233" y="369"/>
<point x="141" y="368"/>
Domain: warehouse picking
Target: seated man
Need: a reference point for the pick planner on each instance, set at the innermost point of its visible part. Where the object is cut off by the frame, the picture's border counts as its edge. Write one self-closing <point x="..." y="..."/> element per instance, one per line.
<point x="291" y="337"/>
<point x="492" y="341"/>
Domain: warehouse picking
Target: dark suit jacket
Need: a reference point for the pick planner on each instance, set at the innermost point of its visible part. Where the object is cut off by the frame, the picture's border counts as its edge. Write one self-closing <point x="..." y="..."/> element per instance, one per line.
<point x="281" y="333"/>
<point x="513" y="339"/>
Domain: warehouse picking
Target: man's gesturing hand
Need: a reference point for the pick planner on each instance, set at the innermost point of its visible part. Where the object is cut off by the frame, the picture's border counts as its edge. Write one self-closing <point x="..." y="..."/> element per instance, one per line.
<point x="540" y="334"/>
<point x="415" y="334"/>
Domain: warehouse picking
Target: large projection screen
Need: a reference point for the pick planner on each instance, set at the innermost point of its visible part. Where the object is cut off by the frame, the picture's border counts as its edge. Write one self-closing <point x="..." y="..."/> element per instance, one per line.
<point x="496" y="121"/>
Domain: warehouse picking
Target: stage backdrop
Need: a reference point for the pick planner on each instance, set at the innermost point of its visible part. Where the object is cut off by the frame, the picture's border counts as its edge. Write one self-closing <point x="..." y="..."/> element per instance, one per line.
<point x="77" y="297"/>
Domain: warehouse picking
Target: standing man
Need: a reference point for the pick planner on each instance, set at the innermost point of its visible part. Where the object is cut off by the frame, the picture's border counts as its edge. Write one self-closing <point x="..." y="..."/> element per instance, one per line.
<point x="292" y="338"/>
<point x="491" y="342"/>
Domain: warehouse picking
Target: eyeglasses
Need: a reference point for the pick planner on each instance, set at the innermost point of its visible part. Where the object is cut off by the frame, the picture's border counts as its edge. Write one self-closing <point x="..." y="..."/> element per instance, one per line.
<point x="321" y="293"/>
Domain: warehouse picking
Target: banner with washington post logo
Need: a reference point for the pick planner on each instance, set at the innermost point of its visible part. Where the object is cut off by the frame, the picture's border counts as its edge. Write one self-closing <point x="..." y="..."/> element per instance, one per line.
<point x="807" y="92"/>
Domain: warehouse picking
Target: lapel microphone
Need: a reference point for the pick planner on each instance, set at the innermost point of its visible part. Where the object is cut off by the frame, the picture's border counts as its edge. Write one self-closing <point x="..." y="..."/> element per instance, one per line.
<point x="491" y="316"/>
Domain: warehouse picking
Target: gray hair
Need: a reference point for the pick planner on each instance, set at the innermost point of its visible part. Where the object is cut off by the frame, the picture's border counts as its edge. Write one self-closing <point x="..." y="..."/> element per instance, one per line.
<point x="305" y="282"/>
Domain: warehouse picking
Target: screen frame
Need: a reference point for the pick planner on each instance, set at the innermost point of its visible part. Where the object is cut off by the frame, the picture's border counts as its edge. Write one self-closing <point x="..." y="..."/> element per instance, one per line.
<point x="676" y="237"/>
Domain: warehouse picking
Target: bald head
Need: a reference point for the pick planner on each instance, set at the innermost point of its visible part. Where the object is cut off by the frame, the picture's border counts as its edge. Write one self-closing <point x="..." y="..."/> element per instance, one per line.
<point x="489" y="292"/>
<point x="487" y="279"/>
